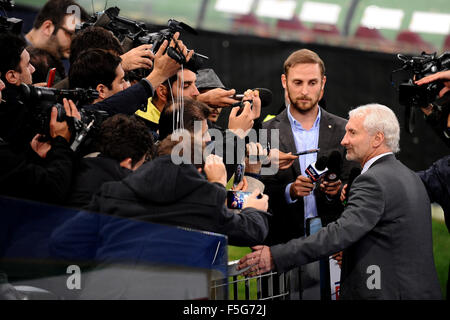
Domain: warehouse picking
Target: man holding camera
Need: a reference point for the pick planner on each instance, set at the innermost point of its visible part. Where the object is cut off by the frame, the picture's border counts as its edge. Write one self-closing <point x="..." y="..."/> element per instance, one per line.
<point x="38" y="170"/>
<point x="437" y="177"/>
<point x="114" y="95"/>
<point x="438" y="119"/>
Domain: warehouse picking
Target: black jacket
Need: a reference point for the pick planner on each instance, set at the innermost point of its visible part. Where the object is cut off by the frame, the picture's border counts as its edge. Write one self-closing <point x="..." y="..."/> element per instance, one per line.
<point x="17" y="118"/>
<point x="23" y="174"/>
<point x="163" y="192"/>
<point x="127" y="101"/>
<point x="386" y="232"/>
<point x="89" y="176"/>
<point x="436" y="180"/>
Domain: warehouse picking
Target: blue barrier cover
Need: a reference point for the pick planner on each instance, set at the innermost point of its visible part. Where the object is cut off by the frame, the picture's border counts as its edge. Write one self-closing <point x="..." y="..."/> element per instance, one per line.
<point x="36" y="231"/>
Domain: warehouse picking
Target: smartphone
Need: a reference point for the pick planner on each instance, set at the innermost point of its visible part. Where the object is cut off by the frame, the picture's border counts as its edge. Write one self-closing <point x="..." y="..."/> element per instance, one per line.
<point x="51" y="77"/>
<point x="235" y="199"/>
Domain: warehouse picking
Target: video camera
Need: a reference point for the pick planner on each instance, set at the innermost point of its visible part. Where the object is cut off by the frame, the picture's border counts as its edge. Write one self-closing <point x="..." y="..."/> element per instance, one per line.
<point x="132" y="34"/>
<point x="41" y="100"/>
<point x="12" y="25"/>
<point x="413" y="96"/>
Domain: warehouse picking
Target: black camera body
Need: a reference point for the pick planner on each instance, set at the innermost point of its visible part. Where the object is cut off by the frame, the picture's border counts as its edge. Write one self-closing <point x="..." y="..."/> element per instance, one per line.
<point x="413" y="96"/>
<point x="12" y="25"/>
<point x="416" y="96"/>
<point x="132" y="34"/>
<point x="7" y="4"/>
<point x="40" y="101"/>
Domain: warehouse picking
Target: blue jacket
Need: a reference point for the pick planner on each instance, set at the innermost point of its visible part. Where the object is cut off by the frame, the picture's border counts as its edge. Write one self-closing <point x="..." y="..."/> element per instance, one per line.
<point x="437" y="181"/>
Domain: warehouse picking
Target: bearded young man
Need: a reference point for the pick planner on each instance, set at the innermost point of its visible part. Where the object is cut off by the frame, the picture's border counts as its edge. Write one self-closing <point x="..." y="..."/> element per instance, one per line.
<point x="304" y="125"/>
<point x="297" y="207"/>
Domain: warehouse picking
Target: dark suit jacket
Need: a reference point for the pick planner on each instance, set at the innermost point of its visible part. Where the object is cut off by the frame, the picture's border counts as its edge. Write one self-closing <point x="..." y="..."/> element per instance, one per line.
<point x="436" y="180"/>
<point x="287" y="222"/>
<point x="163" y="192"/>
<point x="386" y="225"/>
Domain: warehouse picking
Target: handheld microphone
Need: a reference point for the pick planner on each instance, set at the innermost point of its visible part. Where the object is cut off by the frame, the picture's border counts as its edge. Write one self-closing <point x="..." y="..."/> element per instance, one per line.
<point x="317" y="169"/>
<point x="334" y="166"/>
<point x="264" y="94"/>
<point x="353" y="174"/>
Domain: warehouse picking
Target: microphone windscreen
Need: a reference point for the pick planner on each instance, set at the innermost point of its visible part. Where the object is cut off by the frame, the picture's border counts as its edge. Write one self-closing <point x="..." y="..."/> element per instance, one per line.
<point x="321" y="163"/>
<point x="335" y="162"/>
<point x="265" y="95"/>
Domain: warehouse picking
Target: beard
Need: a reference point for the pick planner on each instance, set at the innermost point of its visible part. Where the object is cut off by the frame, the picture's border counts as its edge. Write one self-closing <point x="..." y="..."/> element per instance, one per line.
<point x="303" y="106"/>
<point x="350" y="156"/>
<point x="54" y="48"/>
<point x="214" y="113"/>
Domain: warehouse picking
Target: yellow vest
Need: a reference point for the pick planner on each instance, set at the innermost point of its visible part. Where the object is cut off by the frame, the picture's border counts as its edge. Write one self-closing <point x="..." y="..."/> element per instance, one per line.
<point x="269" y="117"/>
<point x="152" y="114"/>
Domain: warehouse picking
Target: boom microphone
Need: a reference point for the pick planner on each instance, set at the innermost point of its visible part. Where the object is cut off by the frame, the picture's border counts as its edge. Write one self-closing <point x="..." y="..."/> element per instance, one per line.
<point x="317" y="169"/>
<point x="353" y="174"/>
<point x="264" y="94"/>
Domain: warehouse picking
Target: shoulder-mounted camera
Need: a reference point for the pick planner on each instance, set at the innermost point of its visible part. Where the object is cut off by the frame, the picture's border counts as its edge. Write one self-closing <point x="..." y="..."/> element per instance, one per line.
<point x="40" y="101"/>
<point x="413" y="96"/>
<point x="132" y="34"/>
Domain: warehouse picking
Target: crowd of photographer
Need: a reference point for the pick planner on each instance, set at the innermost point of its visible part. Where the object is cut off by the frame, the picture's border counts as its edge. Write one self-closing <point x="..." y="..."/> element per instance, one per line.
<point x="31" y="168"/>
<point x="121" y="135"/>
<point x="57" y="152"/>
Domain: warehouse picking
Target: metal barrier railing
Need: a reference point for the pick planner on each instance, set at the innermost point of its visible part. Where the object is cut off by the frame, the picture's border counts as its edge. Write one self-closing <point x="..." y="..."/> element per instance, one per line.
<point x="268" y="286"/>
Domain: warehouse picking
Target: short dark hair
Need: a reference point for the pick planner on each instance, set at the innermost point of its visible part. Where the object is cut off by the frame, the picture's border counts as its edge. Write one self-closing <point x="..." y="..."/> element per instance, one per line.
<point x="12" y="47"/>
<point x="193" y="111"/>
<point x="56" y="10"/>
<point x="122" y="136"/>
<point x="169" y="86"/>
<point x="94" y="38"/>
<point x="303" y="56"/>
<point x="170" y="81"/>
<point x="43" y="61"/>
<point x="93" y="67"/>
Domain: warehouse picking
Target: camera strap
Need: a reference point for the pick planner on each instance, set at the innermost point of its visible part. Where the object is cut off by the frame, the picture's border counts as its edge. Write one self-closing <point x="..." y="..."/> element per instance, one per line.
<point x="178" y="112"/>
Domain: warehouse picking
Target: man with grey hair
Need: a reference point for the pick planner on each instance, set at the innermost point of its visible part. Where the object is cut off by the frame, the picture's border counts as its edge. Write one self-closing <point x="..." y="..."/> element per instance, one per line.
<point x="385" y="228"/>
